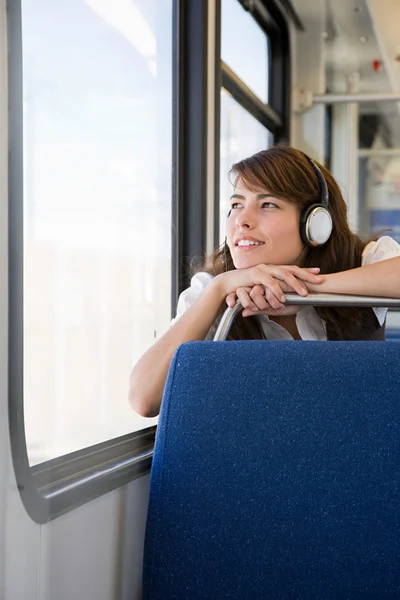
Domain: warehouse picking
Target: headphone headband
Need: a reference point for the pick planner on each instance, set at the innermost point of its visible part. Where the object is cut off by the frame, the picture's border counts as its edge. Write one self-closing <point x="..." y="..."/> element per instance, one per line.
<point x="324" y="194"/>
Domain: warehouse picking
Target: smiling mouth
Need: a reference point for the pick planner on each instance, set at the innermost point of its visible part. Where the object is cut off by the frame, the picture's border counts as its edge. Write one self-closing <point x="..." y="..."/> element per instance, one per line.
<point x="248" y="245"/>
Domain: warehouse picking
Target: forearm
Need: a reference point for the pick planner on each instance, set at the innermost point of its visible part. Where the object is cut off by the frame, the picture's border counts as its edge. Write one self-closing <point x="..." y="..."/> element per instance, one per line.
<point x="379" y="279"/>
<point x="149" y="374"/>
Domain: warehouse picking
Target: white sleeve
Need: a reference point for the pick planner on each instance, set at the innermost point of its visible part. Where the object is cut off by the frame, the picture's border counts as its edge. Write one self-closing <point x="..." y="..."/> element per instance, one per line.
<point x="383" y="249"/>
<point x="198" y="284"/>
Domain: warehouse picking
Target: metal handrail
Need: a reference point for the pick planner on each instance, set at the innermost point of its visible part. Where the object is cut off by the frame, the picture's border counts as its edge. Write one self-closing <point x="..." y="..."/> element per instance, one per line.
<point x="358" y="98"/>
<point x="311" y="300"/>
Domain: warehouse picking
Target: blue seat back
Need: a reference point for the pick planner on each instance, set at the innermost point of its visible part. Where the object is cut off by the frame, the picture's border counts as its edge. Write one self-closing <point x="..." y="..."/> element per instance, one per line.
<point x="276" y="473"/>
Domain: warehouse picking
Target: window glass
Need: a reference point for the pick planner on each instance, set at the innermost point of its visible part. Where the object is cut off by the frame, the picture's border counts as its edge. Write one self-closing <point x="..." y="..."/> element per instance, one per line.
<point x="241" y="136"/>
<point x="381" y="194"/>
<point x="97" y="88"/>
<point x="244" y="47"/>
<point x="379" y="168"/>
<point x="379" y="174"/>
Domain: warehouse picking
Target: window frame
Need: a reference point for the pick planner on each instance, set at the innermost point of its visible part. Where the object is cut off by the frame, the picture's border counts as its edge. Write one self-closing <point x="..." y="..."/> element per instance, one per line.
<point x="274" y="115"/>
<point x="54" y="487"/>
<point x="270" y="19"/>
<point x="57" y="486"/>
<point x="189" y="171"/>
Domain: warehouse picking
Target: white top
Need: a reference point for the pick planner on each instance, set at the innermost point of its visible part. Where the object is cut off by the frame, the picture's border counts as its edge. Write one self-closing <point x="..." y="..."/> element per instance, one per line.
<point x="309" y="325"/>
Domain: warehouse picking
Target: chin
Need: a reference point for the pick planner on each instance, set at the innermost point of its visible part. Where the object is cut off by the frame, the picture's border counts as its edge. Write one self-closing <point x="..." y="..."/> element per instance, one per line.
<point x="245" y="264"/>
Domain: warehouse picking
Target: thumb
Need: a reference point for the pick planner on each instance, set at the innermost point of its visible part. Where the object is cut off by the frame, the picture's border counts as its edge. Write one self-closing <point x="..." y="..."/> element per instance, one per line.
<point x="231" y="300"/>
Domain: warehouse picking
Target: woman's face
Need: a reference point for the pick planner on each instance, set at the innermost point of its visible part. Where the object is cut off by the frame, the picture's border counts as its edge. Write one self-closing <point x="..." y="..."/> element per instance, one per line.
<point x="262" y="229"/>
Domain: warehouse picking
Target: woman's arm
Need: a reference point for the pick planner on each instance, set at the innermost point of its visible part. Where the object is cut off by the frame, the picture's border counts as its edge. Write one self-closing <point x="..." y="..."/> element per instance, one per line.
<point x="379" y="279"/>
<point x="148" y="377"/>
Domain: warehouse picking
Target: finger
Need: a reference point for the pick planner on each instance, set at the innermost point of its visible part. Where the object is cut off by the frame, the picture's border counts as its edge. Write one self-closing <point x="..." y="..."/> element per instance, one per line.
<point x="257" y="295"/>
<point x="286" y="311"/>
<point x="296" y="285"/>
<point x="271" y="312"/>
<point x="281" y="272"/>
<point x="307" y="274"/>
<point x="310" y="278"/>
<point x="274" y="286"/>
<point x="266" y="311"/>
<point x="287" y="289"/>
<point x="231" y="300"/>
<point x="273" y="300"/>
<point x="245" y="300"/>
<point x="251" y="313"/>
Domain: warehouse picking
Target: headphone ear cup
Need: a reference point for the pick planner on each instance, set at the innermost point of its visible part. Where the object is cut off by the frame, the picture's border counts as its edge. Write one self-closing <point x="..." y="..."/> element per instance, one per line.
<point x="315" y="225"/>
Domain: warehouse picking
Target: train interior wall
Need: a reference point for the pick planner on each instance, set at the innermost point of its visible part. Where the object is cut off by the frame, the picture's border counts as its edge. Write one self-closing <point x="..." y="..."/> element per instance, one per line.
<point x="96" y="550"/>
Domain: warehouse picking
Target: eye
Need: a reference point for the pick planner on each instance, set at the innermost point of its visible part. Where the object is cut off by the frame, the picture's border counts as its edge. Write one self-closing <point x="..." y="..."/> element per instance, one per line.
<point x="236" y="205"/>
<point x="269" y="205"/>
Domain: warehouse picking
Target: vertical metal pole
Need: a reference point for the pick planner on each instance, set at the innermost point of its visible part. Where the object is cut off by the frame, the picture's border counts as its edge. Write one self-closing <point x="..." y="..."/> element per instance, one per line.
<point x="353" y="201"/>
<point x="345" y="154"/>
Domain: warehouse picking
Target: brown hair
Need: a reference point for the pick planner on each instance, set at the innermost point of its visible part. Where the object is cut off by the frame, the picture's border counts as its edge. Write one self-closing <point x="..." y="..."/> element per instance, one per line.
<point x="286" y="173"/>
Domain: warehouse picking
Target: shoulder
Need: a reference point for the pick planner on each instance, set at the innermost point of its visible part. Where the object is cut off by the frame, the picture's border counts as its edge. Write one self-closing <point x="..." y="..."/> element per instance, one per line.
<point x="383" y="249"/>
<point x="198" y="284"/>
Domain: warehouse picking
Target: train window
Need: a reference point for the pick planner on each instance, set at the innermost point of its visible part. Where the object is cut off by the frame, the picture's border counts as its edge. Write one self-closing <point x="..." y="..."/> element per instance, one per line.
<point x="245" y="47"/>
<point x="97" y="156"/>
<point x="379" y="168"/>
<point x="379" y="175"/>
<point x="241" y="135"/>
<point x="248" y="121"/>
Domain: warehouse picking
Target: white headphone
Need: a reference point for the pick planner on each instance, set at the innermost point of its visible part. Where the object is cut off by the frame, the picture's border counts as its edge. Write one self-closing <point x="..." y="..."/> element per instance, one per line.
<point x="316" y="222"/>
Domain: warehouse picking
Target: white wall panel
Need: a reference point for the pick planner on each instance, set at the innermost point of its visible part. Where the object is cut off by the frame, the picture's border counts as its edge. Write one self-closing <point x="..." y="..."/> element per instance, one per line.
<point x="95" y="552"/>
<point x="308" y="73"/>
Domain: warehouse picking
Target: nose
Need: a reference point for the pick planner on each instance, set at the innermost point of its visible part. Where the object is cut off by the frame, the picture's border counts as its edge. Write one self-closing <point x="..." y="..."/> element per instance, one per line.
<point x="246" y="218"/>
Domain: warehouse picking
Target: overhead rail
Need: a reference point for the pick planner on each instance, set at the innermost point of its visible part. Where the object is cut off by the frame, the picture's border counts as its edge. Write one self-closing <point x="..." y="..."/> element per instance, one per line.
<point x="305" y="99"/>
<point x="359" y="98"/>
<point x="391" y="152"/>
<point x="311" y="300"/>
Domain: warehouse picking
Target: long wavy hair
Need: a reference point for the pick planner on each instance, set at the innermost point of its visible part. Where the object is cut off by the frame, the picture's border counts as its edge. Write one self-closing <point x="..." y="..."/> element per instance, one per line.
<point x="286" y="173"/>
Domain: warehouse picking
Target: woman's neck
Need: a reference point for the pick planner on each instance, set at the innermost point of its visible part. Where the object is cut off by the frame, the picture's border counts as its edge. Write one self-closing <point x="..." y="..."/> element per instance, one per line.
<point x="289" y="323"/>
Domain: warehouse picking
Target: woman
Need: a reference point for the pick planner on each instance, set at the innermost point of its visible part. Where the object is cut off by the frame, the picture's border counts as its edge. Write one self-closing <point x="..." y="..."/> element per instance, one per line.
<point x="286" y="231"/>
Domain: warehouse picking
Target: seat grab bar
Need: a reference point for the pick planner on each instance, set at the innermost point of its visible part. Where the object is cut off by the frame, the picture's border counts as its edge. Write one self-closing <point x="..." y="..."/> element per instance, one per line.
<point x="311" y="300"/>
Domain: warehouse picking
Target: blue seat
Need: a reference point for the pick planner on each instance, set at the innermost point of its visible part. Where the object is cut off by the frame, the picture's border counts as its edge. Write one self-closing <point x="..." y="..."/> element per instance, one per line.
<point x="276" y="473"/>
